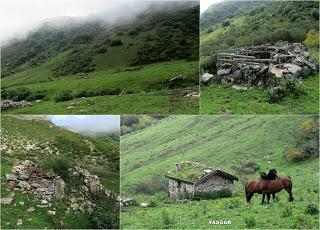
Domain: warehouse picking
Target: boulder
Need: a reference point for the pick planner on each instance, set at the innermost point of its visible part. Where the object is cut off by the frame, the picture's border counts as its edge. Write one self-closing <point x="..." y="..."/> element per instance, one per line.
<point x="6" y="200"/>
<point x="144" y="205"/>
<point x="11" y="177"/>
<point x="223" y="72"/>
<point x="51" y="213"/>
<point x="23" y="184"/>
<point x="238" y="87"/>
<point x="206" y="77"/>
<point x="294" y="69"/>
<point x="31" y="209"/>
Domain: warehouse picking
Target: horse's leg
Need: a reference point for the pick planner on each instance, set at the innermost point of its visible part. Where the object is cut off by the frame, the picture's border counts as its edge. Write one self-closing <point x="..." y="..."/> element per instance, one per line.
<point x="290" y="193"/>
<point x="268" y="196"/>
<point x="263" y="196"/>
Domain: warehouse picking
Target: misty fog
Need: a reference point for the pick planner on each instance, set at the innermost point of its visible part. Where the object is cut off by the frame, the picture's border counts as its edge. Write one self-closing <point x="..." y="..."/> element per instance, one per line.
<point x="88" y="123"/>
<point x="18" y="17"/>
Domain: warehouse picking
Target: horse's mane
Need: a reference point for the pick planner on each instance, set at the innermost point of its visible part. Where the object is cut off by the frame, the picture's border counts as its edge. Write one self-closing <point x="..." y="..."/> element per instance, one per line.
<point x="271" y="175"/>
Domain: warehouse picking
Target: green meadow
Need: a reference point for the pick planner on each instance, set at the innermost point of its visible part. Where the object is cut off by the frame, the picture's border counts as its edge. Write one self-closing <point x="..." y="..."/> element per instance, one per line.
<point x="229" y="144"/>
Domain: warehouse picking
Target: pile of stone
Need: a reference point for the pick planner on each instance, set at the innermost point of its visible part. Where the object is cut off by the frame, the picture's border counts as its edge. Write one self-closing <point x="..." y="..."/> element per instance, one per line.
<point x="123" y="201"/>
<point x="90" y="182"/>
<point x="258" y="66"/>
<point x="9" y="104"/>
<point x="29" y="177"/>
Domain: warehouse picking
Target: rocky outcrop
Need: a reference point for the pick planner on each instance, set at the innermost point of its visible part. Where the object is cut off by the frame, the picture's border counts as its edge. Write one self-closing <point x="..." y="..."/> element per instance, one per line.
<point x="29" y="177"/>
<point x="8" y="104"/>
<point x="256" y="66"/>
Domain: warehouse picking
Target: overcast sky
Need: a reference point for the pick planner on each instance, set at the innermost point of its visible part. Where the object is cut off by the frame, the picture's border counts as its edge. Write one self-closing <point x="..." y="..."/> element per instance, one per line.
<point x="204" y="4"/>
<point x="19" y="16"/>
<point x="92" y="123"/>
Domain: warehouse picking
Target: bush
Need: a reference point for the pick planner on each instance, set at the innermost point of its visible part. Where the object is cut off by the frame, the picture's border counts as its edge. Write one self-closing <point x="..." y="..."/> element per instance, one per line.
<point x="106" y="214"/>
<point x="152" y="186"/>
<point x="306" y="141"/>
<point x="234" y="203"/>
<point x="82" y="93"/>
<point x="250" y="221"/>
<point x="37" y="96"/>
<point x="289" y="86"/>
<point x="116" y="42"/>
<point x="59" y="165"/>
<point x="226" y="23"/>
<point x="63" y="96"/>
<point x="312" y="39"/>
<point x="312" y="208"/>
<point x="211" y="195"/>
<point x="315" y="14"/>
<point x="248" y="167"/>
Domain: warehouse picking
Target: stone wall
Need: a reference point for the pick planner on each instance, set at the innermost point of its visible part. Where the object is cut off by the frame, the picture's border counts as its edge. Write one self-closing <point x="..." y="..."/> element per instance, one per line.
<point x="178" y="189"/>
<point x="260" y="66"/>
<point x="30" y="178"/>
<point x="215" y="183"/>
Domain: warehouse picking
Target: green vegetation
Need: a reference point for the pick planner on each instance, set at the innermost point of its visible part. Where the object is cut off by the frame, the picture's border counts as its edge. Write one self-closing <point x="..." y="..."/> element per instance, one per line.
<point x="122" y="68"/>
<point x="235" y="24"/>
<point x="56" y="149"/>
<point x="247" y="142"/>
<point x="190" y="171"/>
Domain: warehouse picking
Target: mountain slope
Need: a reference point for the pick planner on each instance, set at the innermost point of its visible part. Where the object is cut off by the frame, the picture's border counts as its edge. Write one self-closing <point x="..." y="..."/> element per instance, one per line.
<point x="147" y="155"/>
<point x="238" y="23"/>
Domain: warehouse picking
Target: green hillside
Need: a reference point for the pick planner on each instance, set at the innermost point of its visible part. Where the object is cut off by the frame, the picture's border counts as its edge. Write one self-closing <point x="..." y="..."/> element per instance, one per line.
<point x="235" y="24"/>
<point x="229" y="144"/>
<point x="101" y="61"/>
<point x="56" y="148"/>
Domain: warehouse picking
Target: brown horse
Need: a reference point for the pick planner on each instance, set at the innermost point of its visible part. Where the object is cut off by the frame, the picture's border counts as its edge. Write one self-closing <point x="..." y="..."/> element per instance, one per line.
<point x="267" y="187"/>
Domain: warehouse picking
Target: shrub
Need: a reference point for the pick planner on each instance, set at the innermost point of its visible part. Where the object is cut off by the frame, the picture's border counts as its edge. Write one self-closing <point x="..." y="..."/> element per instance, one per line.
<point x="152" y="186"/>
<point x="106" y="214"/>
<point x="116" y="42"/>
<point x="312" y="39"/>
<point x="315" y="14"/>
<point x="82" y="93"/>
<point x="59" y="165"/>
<point x="312" y="208"/>
<point x="211" y="195"/>
<point x="37" y="96"/>
<point x="20" y="94"/>
<point x="285" y="87"/>
<point x="295" y="155"/>
<point x="306" y="141"/>
<point x="250" y="221"/>
<point x="248" y="167"/>
<point x="226" y="23"/>
<point x="65" y="95"/>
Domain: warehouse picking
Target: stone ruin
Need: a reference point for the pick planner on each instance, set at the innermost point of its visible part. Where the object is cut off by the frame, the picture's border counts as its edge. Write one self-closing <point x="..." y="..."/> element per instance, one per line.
<point x="261" y="66"/>
<point x="9" y="104"/>
<point x="29" y="177"/>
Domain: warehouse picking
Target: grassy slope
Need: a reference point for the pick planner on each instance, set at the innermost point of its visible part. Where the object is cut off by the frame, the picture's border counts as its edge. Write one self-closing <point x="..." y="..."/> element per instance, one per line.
<point x="71" y="146"/>
<point x="150" y="153"/>
<point x="151" y="79"/>
<point x="109" y="74"/>
<point x="241" y="30"/>
<point x="254" y="101"/>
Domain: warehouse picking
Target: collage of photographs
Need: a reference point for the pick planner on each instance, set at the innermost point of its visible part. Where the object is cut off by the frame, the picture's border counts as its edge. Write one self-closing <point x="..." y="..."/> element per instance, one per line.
<point x="159" y="114"/>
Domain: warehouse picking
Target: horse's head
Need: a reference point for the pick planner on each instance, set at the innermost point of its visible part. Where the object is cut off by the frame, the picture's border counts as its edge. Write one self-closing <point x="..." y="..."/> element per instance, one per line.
<point x="263" y="175"/>
<point x="272" y="174"/>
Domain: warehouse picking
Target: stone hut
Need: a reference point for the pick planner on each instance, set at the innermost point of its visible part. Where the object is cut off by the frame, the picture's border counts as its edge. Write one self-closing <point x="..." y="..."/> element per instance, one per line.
<point x="189" y="178"/>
